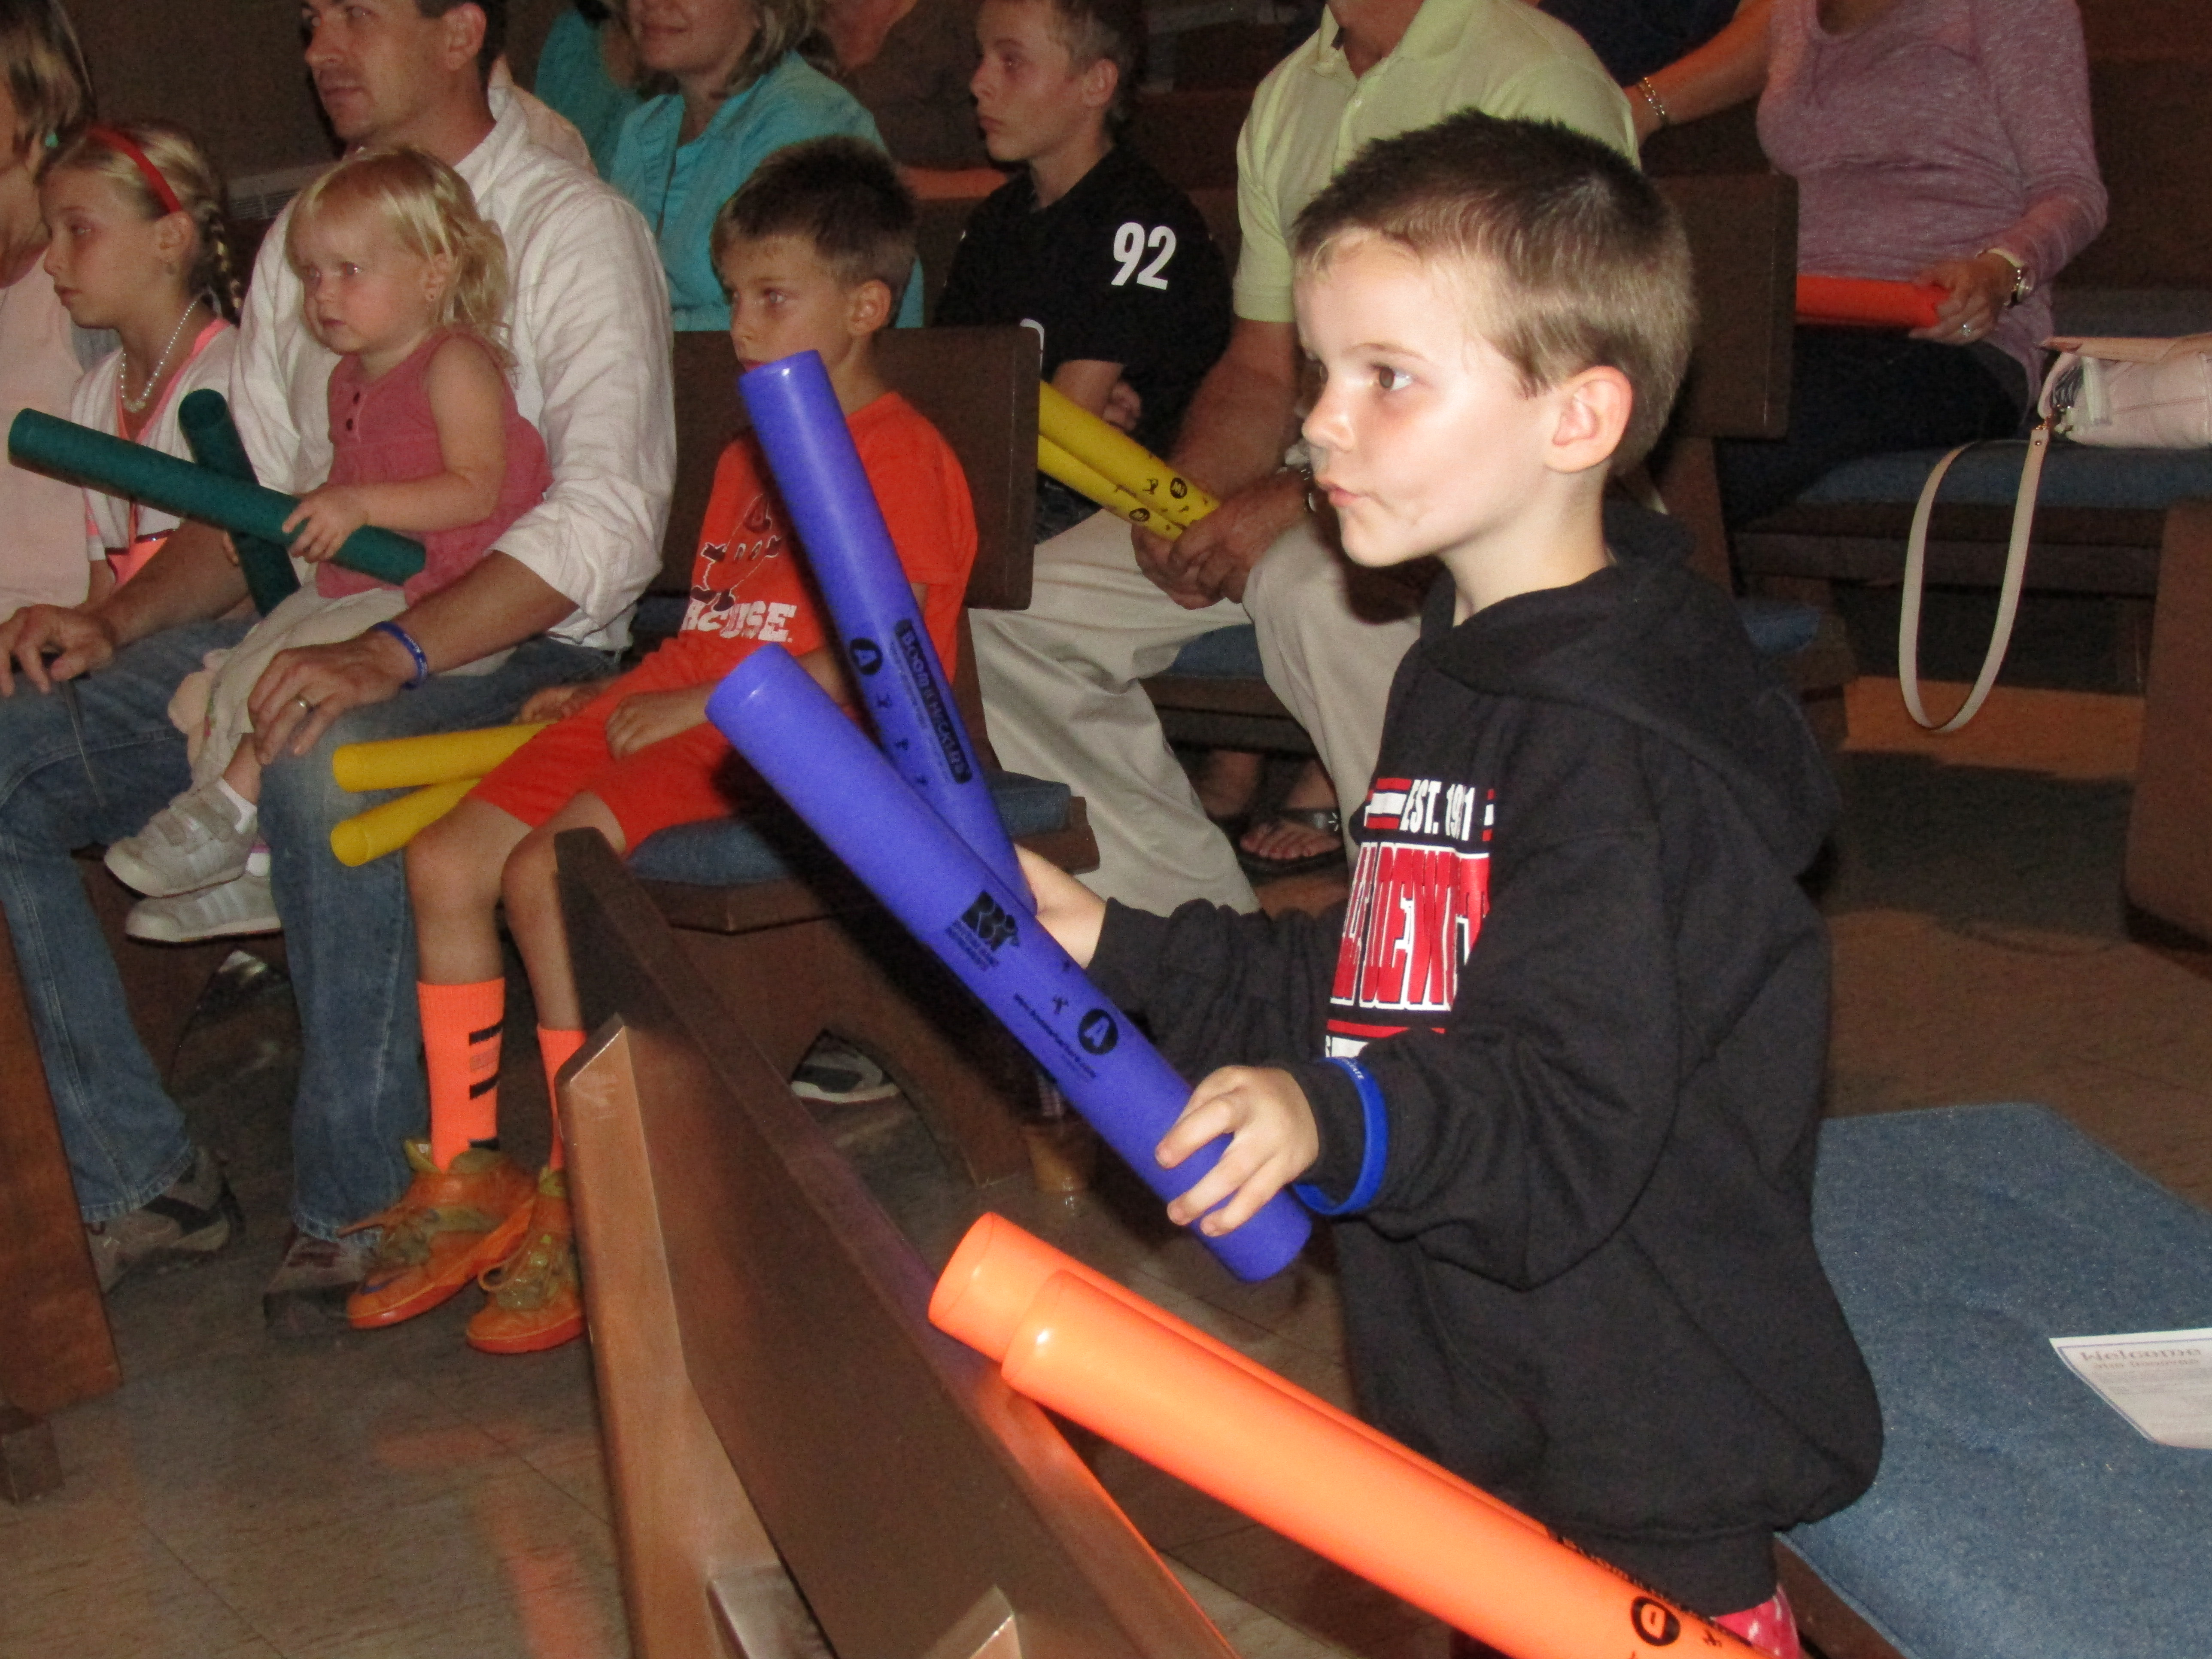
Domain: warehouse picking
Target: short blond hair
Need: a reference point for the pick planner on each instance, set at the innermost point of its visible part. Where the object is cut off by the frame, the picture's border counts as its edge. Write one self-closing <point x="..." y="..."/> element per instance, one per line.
<point x="429" y="210"/>
<point x="46" y="74"/>
<point x="191" y="176"/>
<point x="1588" y="265"/>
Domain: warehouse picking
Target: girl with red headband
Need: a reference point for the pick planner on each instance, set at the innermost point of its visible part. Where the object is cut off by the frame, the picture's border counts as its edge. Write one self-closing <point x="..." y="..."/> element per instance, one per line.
<point x="139" y="246"/>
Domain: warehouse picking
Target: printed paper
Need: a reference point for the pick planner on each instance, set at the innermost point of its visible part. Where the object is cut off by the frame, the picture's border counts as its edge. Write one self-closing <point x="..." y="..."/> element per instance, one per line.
<point x="2160" y="1381"/>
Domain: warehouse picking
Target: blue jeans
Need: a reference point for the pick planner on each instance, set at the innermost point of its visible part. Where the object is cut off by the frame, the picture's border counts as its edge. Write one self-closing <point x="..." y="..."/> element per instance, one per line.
<point x="349" y="932"/>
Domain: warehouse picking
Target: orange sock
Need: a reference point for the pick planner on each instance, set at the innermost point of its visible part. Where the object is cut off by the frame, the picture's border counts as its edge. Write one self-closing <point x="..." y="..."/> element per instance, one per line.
<point x="557" y="1047"/>
<point x="460" y="1047"/>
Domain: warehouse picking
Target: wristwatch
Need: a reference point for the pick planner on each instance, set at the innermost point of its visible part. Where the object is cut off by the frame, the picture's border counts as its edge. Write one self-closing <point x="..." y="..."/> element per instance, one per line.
<point x="2021" y="286"/>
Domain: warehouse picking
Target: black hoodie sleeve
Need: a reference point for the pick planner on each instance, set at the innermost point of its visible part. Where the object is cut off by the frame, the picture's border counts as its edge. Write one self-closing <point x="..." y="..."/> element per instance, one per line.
<point x="1523" y="1133"/>
<point x="1215" y="987"/>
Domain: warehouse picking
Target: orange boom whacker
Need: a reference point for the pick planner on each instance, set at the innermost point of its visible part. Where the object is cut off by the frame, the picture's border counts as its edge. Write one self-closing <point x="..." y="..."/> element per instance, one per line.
<point x="1079" y="1345"/>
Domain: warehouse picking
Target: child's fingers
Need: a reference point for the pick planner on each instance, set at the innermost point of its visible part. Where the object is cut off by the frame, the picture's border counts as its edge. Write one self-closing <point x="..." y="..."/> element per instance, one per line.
<point x="1271" y="1138"/>
<point x="1237" y="1184"/>
<point x="1243" y="1205"/>
<point x="621" y="728"/>
<point x="1217" y="1183"/>
<point x="1207" y="1116"/>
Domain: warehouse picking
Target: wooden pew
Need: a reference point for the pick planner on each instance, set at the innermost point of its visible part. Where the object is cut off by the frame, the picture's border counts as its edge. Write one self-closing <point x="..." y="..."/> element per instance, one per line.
<point x="785" y="1431"/>
<point x="2168" y="872"/>
<point x="55" y="1349"/>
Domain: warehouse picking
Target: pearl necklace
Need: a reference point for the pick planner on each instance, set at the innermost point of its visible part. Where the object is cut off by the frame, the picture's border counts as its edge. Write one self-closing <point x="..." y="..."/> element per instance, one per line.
<point x="137" y="406"/>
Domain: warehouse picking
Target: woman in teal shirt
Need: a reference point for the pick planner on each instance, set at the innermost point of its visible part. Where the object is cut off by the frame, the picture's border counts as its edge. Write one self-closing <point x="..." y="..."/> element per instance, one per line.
<point x="732" y="88"/>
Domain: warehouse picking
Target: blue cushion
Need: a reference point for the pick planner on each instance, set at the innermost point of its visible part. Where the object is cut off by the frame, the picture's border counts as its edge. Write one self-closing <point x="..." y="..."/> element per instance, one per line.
<point x="1778" y="628"/>
<point x="2015" y="1512"/>
<point x="2074" y="475"/>
<point x="725" y="853"/>
<point x="1226" y="654"/>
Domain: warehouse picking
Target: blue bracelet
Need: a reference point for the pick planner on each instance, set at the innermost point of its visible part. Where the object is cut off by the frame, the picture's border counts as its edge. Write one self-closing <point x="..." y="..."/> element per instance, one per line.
<point x="422" y="662"/>
<point x="1371" y="1160"/>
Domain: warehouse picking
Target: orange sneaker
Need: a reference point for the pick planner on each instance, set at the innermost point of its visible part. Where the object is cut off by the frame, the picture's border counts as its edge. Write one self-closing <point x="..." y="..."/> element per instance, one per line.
<point x="448" y="1227"/>
<point x="534" y="1302"/>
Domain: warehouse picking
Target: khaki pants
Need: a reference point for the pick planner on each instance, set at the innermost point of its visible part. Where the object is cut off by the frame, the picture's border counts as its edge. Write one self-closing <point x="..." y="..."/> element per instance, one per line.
<point x="1060" y="694"/>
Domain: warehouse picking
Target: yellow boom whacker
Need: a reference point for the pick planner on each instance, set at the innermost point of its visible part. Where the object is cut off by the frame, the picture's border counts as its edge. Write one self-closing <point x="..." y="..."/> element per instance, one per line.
<point x="1112" y="469"/>
<point x="1073" y="446"/>
<point x="440" y="768"/>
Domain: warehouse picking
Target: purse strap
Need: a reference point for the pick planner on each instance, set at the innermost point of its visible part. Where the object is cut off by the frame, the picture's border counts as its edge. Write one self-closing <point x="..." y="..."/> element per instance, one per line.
<point x="2016" y="572"/>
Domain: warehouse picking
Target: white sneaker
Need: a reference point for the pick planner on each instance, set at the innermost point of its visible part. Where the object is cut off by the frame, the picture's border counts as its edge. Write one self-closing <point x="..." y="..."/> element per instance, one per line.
<point x="193" y="842"/>
<point x="241" y="905"/>
<point x="836" y="1074"/>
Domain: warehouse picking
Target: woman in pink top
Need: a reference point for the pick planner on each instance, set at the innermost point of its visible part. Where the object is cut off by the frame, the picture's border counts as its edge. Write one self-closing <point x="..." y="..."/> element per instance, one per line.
<point x="1933" y="141"/>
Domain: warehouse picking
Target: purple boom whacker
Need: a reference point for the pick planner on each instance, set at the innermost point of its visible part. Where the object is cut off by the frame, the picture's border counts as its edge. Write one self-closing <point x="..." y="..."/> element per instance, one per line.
<point x="980" y="927"/>
<point x="849" y="552"/>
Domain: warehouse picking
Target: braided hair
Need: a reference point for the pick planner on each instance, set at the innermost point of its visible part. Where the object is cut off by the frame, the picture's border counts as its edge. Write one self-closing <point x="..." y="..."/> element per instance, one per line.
<point x="184" y="165"/>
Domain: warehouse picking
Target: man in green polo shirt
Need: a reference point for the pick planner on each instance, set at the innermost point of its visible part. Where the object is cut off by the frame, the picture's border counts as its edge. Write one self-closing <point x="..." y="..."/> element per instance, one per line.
<point x="1060" y="679"/>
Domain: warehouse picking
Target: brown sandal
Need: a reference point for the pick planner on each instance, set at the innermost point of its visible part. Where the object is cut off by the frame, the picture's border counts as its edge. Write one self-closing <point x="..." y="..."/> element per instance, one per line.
<point x="1325" y="819"/>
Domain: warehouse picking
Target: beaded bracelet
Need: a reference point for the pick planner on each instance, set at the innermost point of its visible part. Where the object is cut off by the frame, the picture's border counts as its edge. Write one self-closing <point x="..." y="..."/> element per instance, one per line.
<point x="1651" y="97"/>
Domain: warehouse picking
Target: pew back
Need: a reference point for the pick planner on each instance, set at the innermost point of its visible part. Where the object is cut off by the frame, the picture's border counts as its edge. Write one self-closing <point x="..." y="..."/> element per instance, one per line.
<point x="921" y="1508"/>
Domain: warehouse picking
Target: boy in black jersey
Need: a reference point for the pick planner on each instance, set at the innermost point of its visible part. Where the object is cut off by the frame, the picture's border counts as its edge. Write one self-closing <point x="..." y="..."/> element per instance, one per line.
<point x="1555" y="1069"/>
<point x="1110" y="264"/>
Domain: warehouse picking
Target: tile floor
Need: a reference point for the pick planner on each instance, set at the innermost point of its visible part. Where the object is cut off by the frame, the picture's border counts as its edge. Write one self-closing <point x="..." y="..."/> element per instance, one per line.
<point x="394" y="1495"/>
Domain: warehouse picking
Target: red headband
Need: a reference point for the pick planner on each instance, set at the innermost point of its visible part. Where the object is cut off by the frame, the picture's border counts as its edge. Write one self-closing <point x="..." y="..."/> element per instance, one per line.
<point x="120" y="141"/>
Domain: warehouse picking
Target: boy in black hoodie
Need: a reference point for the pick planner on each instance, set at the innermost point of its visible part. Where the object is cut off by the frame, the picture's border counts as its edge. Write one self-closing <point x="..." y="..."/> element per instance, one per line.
<point x="1573" y="1018"/>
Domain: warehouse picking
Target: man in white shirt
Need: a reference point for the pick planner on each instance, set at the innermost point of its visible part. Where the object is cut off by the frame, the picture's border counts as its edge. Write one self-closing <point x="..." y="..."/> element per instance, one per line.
<point x="588" y="326"/>
<point x="1060" y="679"/>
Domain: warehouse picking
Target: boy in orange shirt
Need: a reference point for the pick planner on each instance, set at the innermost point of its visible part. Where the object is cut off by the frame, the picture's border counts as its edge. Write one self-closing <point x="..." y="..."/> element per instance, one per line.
<point x="814" y="251"/>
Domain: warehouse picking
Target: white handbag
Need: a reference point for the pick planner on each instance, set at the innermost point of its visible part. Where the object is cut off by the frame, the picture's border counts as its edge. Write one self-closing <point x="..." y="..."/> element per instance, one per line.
<point x="2112" y="394"/>
<point x="2131" y="394"/>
